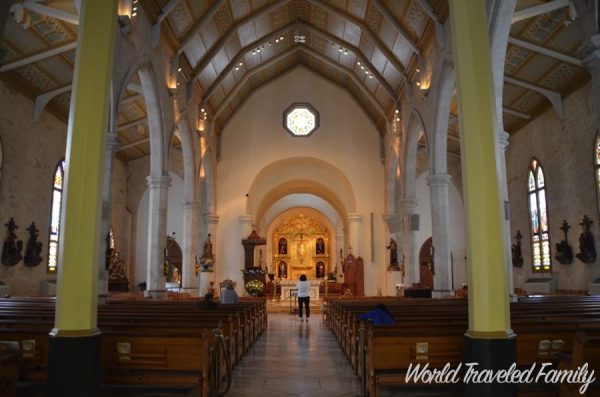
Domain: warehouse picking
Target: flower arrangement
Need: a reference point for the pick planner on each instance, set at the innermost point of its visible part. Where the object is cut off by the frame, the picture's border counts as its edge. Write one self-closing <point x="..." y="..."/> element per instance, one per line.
<point x="255" y="287"/>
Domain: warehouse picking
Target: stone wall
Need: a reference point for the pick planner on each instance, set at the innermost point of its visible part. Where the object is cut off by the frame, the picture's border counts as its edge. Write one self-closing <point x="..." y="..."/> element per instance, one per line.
<point x="565" y="149"/>
<point x="31" y="151"/>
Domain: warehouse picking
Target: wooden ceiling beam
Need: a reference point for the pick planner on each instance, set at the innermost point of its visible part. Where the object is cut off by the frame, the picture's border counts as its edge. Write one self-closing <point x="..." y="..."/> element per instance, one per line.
<point x="219" y="44"/>
<point x="540" y="9"/>
<point x="42" y="9"/>
<point x="349" y="73"/>
<point x="240" y="56"/>
<point x="396" y="25"/>
<point x="38" y="57"/>
<point x="358" y="53"/>
<point x="516" y="113"/>
<point x="554" y="97"/>
<point x="283" y="55"/>
<point x="545" y="51"/>
<point x="326" y="35"/>
<point x="249" y="74"/>
<point x="366" y="31"/>
<point x="42" y="100"/>
<point x="133" y="123"/>
<point x="164" y="13"/>
<point x="199" y="24"/>
<point x="133" y="144"/>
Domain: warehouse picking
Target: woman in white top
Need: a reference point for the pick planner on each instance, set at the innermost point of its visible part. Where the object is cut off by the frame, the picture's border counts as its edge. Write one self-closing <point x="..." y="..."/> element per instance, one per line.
<point x="303" y="287"/>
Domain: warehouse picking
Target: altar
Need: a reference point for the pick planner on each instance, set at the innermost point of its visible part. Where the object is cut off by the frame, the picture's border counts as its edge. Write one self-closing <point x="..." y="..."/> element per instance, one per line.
<point x="288" y="285"/>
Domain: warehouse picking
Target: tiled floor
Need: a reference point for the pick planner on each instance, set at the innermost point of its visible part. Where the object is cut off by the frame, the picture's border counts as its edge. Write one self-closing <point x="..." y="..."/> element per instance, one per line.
<point x="294" y="358"/>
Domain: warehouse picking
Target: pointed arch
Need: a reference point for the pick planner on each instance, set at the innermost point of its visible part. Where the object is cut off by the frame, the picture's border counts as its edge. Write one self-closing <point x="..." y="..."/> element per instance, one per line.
<point x="538" y="218"/>
<point x="58" y="179"/>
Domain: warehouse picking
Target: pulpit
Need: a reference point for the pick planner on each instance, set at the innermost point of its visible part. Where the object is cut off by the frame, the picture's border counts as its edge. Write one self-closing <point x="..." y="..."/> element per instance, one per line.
<point x="250" y="271"/>
<point x="354" y="275"/>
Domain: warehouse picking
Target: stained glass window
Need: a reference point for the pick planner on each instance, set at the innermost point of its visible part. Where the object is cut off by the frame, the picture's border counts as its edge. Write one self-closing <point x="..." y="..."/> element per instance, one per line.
<point x="301" y="119"/>
<point x="538" y="217"/>
<point x="55" y="221"/>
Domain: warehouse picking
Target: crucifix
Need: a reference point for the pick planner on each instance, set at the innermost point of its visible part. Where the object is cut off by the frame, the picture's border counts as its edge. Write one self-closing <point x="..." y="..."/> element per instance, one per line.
<point x="565" y="228"/>
<point x="301" y="249"/>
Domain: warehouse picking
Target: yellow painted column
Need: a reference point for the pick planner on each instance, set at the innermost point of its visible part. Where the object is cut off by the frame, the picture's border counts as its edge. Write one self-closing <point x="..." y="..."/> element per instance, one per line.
<point x="489" y="310"/>
<point x="86" y="147"/>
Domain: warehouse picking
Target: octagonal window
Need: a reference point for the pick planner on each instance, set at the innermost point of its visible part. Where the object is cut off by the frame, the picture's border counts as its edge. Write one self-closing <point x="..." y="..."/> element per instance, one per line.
<point x="301" y="119"/>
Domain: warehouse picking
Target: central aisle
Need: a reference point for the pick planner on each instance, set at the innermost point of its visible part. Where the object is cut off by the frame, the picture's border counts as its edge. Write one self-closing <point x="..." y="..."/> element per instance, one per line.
<point x="294" y="358"/>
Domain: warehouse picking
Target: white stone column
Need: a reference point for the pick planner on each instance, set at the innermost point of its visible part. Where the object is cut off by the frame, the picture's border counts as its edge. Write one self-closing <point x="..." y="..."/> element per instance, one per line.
<point x="411" y="262"/>
<point x="438" y="184"/>
<point x="503" y="180"/>
<point x="354" y="238"/>
<point x="190" y="242"/>
<point x="112" y="144"/>
<point x="158" y="187"/>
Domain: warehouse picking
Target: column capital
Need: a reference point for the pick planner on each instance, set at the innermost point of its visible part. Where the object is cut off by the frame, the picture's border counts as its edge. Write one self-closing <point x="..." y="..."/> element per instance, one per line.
<point x="438" y="180"/>
<point x="161" y="182"/>
<point x="408" y="204"/>
<point x="355" y="218"/>
<point x="212" y="218"/>
<point x="245" y="219"/>
<point x="112" y="141"/>
<point x="503" y="138"/>
<point x="591" y="50"/>
<point x="191" y="204"/>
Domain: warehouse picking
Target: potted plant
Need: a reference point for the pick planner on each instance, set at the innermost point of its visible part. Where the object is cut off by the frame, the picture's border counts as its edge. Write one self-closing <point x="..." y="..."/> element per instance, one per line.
<point x="255" y="287"/>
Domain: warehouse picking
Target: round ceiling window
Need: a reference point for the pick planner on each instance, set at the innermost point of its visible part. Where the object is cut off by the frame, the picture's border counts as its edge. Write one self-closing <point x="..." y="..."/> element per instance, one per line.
<point x="301" y="119"/>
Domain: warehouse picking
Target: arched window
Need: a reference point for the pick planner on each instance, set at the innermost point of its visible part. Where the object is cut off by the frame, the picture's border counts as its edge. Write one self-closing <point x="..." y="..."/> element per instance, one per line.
<point x="538" y="218"/>
<point x="55" y="221"/>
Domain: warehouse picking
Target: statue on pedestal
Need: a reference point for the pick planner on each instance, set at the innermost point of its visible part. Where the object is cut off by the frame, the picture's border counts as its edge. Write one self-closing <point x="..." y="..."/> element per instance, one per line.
<point x="208" y="259"/>
<point x="587" y="248"/>
<point x="393" y="247"/>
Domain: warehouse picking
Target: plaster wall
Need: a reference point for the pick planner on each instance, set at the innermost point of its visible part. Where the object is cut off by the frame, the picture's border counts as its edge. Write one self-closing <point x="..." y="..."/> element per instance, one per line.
<point x="346" y="139"/>
<point x="31" y="151"/>
<point x="565" y="149"/>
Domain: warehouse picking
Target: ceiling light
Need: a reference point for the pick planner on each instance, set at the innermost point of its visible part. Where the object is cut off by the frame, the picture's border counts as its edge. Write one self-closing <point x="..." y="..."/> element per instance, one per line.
<point x="179" y="69"/>
<point x="281" y="38"/>
<point x="418" y="83"/>
<point x="358" y="63"/>
<point x="241" y="63"/>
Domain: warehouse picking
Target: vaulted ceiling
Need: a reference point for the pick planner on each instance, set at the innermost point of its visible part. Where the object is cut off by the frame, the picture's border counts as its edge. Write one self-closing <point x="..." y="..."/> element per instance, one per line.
<point x="229" y="48"/>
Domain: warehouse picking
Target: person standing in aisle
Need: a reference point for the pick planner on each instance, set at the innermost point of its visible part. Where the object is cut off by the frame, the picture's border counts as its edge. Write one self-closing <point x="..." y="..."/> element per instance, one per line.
<point x="303" y="287"/>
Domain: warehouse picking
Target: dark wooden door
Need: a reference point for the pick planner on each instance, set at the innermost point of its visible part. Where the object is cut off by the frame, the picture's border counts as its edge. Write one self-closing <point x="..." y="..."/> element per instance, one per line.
<point x="426" y="265"/>
<point x="175" y="257"/>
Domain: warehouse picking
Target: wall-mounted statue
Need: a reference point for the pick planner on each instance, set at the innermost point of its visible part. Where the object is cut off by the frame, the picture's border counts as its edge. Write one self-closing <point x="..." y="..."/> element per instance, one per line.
<point x="587" y="247"/>
<point x="282" y="269"/>
<point x="393" y="247"/>
<point x="11" y="250"/>
<point x="208" y="258"/>
<point x="517" y="254"/>
<point x="33" y="249"/>
<point x="564" y="253"/>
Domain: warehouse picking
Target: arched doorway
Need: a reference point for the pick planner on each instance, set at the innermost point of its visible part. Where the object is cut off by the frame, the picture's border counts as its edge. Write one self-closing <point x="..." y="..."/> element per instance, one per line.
<point x="173" y="262"/>
<point x="426" y="266"/>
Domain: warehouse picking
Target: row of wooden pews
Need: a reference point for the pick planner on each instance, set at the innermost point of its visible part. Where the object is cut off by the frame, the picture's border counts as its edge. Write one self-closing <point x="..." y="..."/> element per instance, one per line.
<point x="432" y="331"/>
<point x="150" y="343"/>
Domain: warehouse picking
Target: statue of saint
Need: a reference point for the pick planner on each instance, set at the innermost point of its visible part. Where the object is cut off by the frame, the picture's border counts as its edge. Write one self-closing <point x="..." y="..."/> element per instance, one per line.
<point x="207" y="253"/>
<point x="393" y="247"/>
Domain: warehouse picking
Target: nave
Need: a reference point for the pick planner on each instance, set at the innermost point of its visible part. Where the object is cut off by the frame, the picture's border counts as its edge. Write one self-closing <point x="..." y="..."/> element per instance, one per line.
<point x="294" y="358"/>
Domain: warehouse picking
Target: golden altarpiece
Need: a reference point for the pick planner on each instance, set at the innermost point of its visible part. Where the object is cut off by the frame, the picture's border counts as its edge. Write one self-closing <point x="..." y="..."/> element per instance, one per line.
<point x="301" y="245"/>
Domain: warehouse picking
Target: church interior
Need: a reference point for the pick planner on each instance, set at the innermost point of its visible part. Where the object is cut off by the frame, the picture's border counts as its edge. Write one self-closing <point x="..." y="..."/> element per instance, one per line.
<point x="440" y="157"/>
